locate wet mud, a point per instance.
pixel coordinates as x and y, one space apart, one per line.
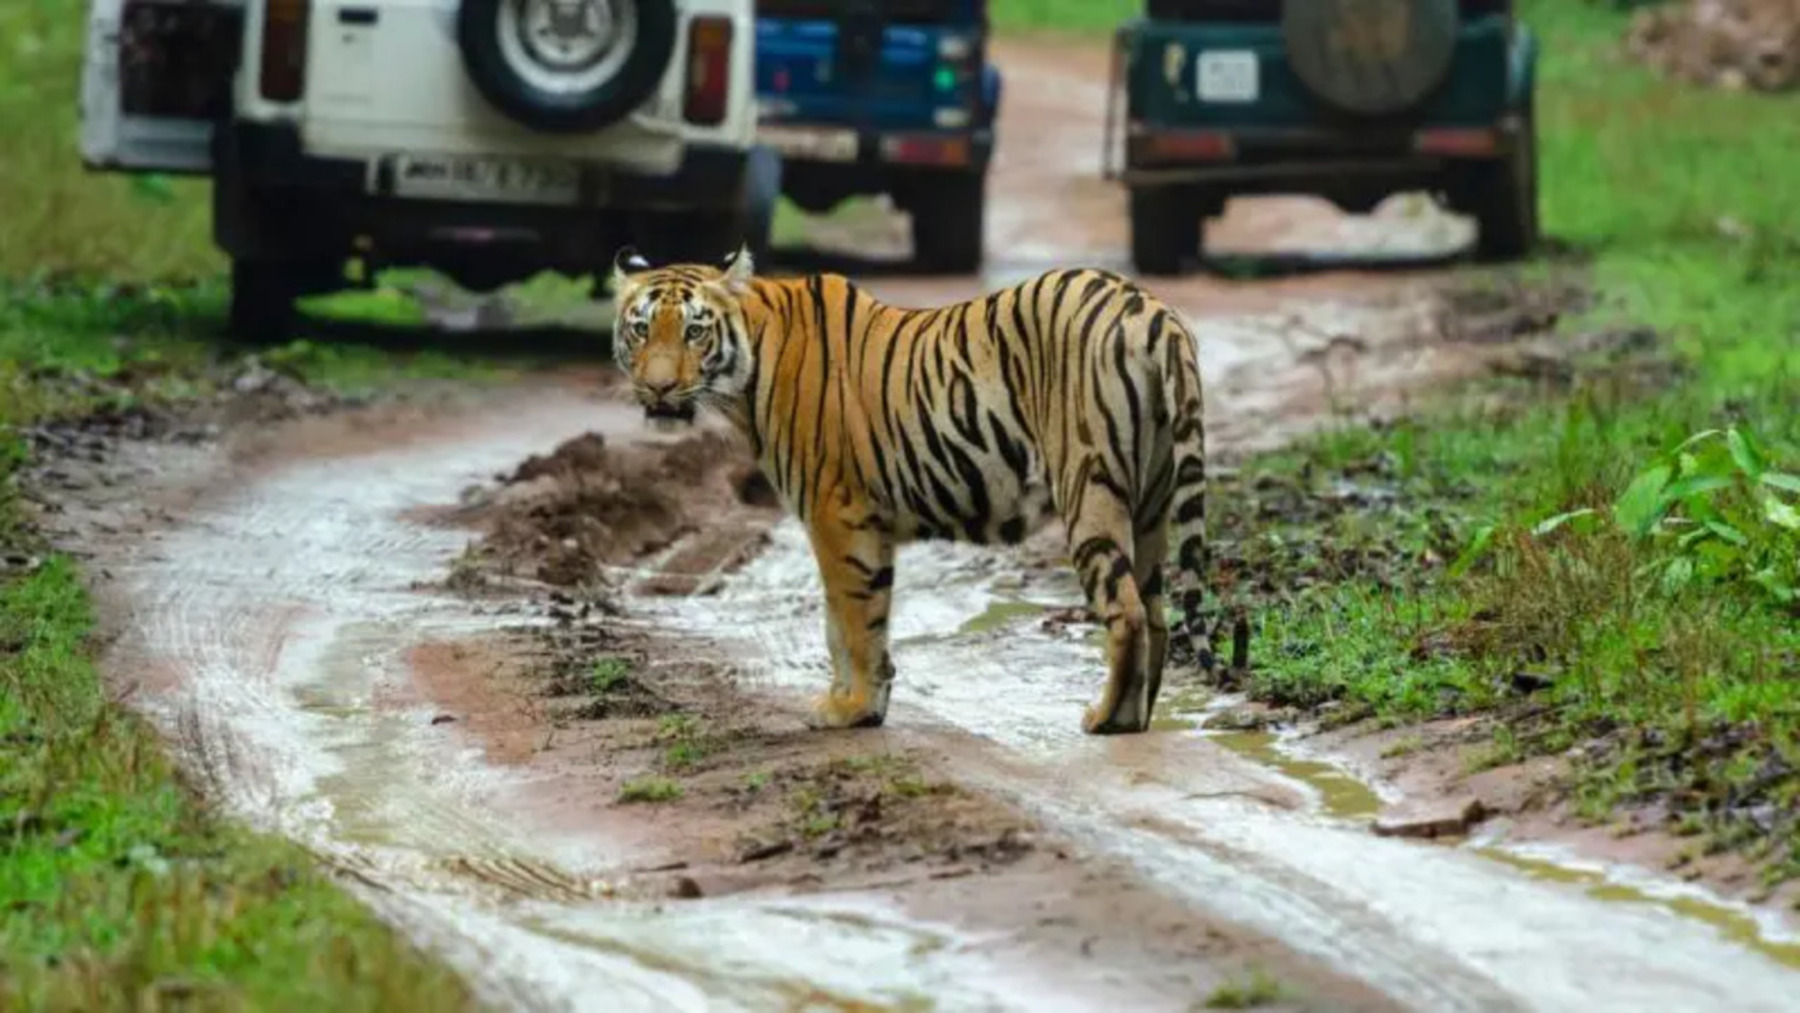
530 675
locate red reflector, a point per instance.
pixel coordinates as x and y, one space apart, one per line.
1187 146
708 70
1457 141
283 77
926 150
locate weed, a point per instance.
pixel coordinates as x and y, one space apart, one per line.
609 675
649 789
1249 991
756 780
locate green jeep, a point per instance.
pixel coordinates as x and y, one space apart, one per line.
1351 100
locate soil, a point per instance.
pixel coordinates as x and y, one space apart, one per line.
1734 44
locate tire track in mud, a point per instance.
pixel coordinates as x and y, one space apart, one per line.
285 605
1438 928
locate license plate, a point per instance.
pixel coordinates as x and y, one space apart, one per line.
514 180
1228 75
810 143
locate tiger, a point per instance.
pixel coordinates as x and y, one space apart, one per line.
1074 394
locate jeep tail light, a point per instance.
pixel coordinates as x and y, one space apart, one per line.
283 77
708 70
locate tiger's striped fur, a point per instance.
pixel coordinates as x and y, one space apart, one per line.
1075 393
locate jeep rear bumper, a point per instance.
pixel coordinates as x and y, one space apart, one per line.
272 201
1247 158
270 156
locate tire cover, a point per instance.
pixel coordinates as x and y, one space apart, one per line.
1371 57
611 100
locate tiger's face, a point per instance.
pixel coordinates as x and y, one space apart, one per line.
679 332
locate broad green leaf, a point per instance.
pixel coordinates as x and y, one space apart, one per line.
1641 505
1702 435
1478 547
1745 452
1687 541
1681 489
1780 480
1550 524
1727 532
1775 511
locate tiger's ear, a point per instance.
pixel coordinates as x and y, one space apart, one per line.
627 262
739 268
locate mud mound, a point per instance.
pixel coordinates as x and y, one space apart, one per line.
1736 44
565 517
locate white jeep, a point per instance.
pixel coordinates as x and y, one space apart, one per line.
489 139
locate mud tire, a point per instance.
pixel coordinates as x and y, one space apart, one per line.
1503 198
1165 230
261 311
1372 85
507 90
949 223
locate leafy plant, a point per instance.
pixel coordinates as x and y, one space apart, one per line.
1713 510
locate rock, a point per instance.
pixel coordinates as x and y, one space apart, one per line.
1249 718
1448 817
443 719
686 888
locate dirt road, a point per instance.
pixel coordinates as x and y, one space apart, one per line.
572 759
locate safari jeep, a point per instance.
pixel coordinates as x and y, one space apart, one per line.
1350 100
896 97
489 139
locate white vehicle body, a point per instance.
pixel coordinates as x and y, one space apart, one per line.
417 127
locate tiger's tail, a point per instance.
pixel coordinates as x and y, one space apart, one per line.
1188 537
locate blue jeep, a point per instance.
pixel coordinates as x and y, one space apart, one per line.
865 97
1350 100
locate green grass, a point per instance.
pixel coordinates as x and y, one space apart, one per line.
1677 669
117 889
1085 17
650 788
1251 991
61 220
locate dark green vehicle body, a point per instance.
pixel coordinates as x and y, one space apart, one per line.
1466 133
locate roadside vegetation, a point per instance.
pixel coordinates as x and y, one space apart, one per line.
1609 564
118 888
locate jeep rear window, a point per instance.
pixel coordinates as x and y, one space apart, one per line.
176 59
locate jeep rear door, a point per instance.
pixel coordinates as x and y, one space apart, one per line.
156 74
896 64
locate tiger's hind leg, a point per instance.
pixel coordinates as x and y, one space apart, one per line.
1150 549
856 563
1100 546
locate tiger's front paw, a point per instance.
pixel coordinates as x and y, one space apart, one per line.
845 710
1097 721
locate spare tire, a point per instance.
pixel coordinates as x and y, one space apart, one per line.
566 66
1371 57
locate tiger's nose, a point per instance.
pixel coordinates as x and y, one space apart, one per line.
660 388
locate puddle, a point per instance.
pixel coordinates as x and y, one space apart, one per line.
1200 813
1341 796
286 711
1001 613
1737 925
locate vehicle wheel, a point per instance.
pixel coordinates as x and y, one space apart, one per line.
532 63
1165 229
949 223
1503 197
262 301
1403 51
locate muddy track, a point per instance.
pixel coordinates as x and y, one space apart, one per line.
287 606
